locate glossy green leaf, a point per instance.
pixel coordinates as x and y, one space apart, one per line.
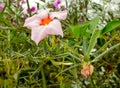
110 26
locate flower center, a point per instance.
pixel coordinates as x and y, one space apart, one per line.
45 21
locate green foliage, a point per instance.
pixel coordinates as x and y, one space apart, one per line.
56 62
110 26
84 29
79 30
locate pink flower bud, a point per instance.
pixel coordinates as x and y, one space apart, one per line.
56 3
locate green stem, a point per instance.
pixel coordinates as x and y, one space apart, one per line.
104 46
9 42
76 65
28 7
69 54
43 78
5 84
3 35
102 54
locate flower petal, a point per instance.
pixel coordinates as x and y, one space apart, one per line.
33 24
38 34
31 21
60 15
54 28
43 13
36 19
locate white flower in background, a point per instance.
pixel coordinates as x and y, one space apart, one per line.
98 2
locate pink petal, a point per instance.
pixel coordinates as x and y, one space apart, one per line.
43 13
32 25
31 21
60 15
54 28
38 34
36 19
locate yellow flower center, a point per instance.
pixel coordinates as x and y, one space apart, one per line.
45 21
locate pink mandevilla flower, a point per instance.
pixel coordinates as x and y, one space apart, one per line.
44 23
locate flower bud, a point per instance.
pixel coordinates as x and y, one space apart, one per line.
87 70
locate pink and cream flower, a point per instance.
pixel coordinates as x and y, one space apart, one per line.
45 23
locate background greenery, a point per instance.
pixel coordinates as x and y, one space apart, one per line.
56 62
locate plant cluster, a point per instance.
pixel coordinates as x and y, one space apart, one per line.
57 45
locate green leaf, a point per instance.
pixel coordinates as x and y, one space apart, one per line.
92 43
79 30
85 46
94 24
110 26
